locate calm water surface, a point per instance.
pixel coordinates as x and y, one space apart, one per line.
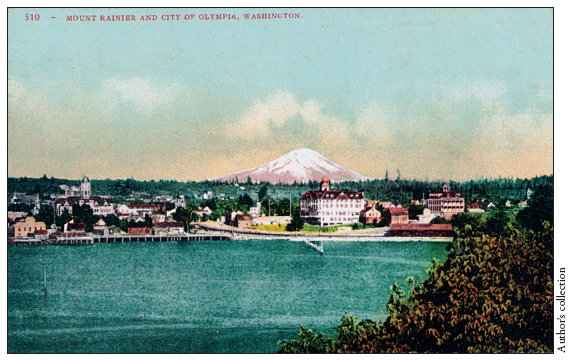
178 297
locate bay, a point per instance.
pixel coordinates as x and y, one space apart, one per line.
198 297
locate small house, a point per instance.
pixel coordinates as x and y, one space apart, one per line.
370 215
398 215
168 228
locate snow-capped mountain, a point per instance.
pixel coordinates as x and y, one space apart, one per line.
300 165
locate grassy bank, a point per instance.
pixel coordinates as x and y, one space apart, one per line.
307 228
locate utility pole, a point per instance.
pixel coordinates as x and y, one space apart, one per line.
290 207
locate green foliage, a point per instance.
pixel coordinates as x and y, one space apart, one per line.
111 220
414 210
184 216
318 229
63 219
347 335
467 225
492 295
20 207
539 210
358 226
498 223
439 220
297 223
45 215
262 193
84 214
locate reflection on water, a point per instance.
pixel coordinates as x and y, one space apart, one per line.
223 296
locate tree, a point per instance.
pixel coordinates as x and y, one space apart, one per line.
84 214
45 215
283 207
262 193
297 223
414 210
63 219
468 225
183 215
111 220
245 200
439 220
498 222
538 210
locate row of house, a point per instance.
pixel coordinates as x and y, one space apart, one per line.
28 227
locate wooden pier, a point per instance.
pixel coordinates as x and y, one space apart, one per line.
315 246
121 239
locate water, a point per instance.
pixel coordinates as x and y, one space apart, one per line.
179 297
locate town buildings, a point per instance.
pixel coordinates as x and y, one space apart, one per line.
474 208
75 227
370 215
167 228
242 221
255 212
421 230
101 205
399 215
446 203
326 207
27 227
139 230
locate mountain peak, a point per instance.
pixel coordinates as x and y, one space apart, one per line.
299 165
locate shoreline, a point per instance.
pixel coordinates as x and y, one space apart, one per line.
356 236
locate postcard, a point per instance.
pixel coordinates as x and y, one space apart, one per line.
262 180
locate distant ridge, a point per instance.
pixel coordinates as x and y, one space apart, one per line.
299 165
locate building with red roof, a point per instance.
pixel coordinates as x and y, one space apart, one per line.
370 215
398 215
76 227
41 234
421 230
328 208
139 230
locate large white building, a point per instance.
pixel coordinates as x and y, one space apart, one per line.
328 208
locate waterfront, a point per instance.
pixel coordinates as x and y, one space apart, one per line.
221 296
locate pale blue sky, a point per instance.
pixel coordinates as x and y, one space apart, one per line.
437 93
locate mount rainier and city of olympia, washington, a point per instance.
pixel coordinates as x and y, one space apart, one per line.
218 181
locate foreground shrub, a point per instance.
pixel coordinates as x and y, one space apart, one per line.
493 294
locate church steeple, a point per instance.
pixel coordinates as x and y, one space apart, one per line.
85 188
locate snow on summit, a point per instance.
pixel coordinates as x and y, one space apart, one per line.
300 165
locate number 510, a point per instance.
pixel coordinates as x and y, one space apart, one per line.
32 17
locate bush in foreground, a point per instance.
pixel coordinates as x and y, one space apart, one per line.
493 294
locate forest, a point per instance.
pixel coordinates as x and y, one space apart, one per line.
402 191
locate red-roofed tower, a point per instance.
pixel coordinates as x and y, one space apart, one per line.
325 184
